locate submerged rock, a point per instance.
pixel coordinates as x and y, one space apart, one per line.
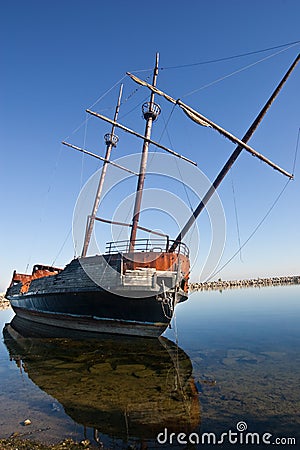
26 422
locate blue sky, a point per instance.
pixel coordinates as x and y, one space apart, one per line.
59 57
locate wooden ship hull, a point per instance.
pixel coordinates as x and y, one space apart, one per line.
107 294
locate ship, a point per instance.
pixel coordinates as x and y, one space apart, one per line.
134 286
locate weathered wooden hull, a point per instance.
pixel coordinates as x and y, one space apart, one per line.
76 299
96 312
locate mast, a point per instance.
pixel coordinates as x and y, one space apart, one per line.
231 160
111 141
150 112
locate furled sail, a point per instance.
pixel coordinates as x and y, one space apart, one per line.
194 117
152 88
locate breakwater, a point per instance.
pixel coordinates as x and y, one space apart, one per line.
253 282
4 303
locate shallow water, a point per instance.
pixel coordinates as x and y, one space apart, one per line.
237 361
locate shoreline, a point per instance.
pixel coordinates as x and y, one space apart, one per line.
252 282
19 443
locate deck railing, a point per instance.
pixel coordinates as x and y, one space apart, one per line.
145 245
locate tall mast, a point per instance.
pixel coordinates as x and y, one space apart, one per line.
150 111
231 160
111 141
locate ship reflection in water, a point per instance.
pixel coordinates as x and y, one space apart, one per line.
124 388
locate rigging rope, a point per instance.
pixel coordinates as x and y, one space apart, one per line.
134 92
165 130
236 215
235 72
91 106
83 155
296 152
227 58
129 212
289 45
107 92
134 108
131 95
62 246
85 122
252 234
88 117
45 198
166 122
266 215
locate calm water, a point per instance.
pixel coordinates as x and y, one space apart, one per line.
230 357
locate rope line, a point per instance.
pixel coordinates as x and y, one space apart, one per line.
165 130
252 234
236 216
289 45
62 246
166 123
91 106
44 199
83 155
107 92
235 72
296 152
134 92
266 215
134 108
227 58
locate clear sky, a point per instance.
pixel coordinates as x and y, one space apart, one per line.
59 57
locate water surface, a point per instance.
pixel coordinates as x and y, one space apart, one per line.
230 357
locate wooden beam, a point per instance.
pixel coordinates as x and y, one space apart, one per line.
128 130
82 150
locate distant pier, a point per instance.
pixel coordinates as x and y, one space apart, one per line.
253 282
